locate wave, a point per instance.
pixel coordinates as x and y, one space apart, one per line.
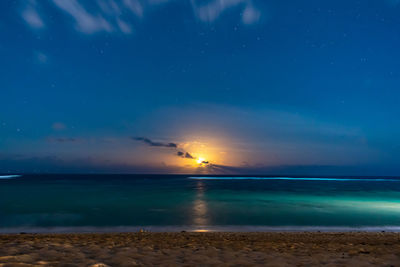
9 176
297 179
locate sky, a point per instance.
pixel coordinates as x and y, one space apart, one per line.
200 86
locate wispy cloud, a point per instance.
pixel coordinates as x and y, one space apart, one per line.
85 22
124 27
212 10
109 7
178 152
31 15
251 15
186 155
149 142
119 16
134 6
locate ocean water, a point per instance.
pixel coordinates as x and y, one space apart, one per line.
80 203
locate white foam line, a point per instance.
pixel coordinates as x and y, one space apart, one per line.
295 179
9 176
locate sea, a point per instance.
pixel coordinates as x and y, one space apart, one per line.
129 203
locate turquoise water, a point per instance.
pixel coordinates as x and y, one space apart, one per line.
128 202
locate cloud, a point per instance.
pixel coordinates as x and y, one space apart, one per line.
186 155
31 16
266 136
178 152
109 7
151 143
134 6
212 10
124 27
118 16
250 15
85 22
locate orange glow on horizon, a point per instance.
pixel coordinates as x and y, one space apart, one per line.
200 160
208 151
204 152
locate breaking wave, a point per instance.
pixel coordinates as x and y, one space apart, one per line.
9 176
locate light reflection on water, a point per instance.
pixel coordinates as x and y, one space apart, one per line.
200 209
198 204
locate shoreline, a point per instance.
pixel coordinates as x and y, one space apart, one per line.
189 228
192 249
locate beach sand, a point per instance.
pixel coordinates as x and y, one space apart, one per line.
201 249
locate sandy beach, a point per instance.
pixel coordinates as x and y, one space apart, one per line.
201 249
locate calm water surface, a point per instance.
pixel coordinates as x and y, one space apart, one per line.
197 203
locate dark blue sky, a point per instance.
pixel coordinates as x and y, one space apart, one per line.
265 86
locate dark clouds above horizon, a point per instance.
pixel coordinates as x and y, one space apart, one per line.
257 85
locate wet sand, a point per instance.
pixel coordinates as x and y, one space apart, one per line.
201 249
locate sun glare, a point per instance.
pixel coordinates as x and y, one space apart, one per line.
200 160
